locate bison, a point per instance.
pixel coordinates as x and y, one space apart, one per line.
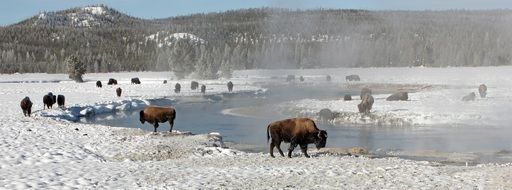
203 89
296 131
165 81
366 104
230 86
177 88
364 91
119 91
194 85
470 97
135 80
112 81
326 114
48 100
155 115
352 78
399 96
98 84
347 97
290 78
482 89
328 78
301 79
60 100
26 106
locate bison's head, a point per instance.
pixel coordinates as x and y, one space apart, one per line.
321 139
141 116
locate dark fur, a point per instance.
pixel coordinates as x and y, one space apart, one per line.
328 78
155 115
364 91
290 78
203 89
165 81
301 79
194 85
296 131
112 81
482 90
470 97
230 86
347 97
61 100
399 96
366 104
119 91
48 100
177 88
352 78
98 84
26 106
135 80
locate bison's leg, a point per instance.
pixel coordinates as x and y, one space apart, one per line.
272 149
304 148
278 144
156 126
293 144
171 122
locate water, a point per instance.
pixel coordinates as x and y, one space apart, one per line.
205 117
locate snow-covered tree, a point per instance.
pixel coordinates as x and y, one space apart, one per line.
76 68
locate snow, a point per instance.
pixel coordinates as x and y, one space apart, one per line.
163 38
41 152
96 10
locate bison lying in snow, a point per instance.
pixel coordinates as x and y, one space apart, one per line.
60 100
482 90
119 91
470 97
203 89
112 81
296 131
230 86
155 115
366 104
177 88
98 84
399 96
26 106
135 80
49 100
194 85
364 91
352 78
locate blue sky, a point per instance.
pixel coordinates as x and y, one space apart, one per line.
12 11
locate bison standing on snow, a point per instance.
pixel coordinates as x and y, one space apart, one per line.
194 85
399 96
165 81
203 89
177 88
112 81
364 91
352 78
119 91
98 84
296 131
347 97
155 115
48 100
328 78
26 106
482 90
60 100
230 86
135 80
366 104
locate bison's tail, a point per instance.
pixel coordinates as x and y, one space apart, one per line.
268 134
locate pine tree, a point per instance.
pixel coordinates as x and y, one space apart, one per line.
76 68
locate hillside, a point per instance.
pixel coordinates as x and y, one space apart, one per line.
108 40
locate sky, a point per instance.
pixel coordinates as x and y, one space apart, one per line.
13 11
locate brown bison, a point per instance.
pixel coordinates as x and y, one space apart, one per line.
119 91
60 100
26 106
177 88
296 131
366 104
399 96
203 89
482 89
155 115
112 81
352 78
135 80
48 100
347 97
364 91
230 86
194 85
98 84
165 81
470 97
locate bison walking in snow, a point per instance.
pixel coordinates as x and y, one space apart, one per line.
482 90
49 100
119 91
155 115
328 78
203 89
60 100
366 104
296 131
98 84
230 86
135 80
26 106
177 88
112 81
194 85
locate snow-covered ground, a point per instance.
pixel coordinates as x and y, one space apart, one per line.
42 152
